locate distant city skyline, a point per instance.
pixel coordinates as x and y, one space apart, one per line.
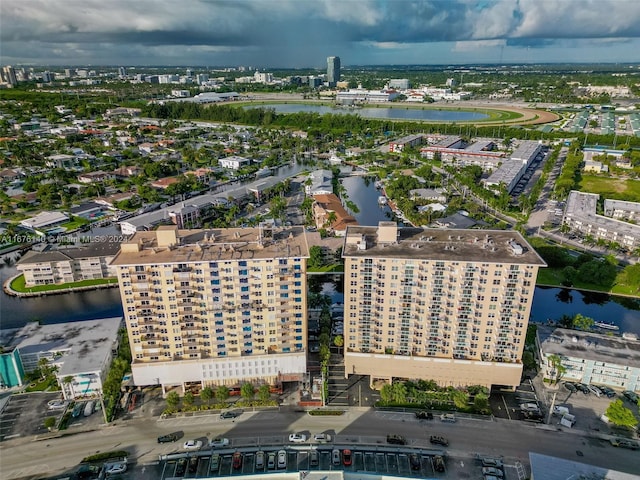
303 33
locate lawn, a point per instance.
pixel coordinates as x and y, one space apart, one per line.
19 285
615 188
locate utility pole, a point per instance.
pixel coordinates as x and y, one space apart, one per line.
359 395
553 402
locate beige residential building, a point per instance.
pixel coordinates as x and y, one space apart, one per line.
446 305
219 306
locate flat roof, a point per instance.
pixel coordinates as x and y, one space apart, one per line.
491 246
545 467
588 345
85 343
217 244
63 253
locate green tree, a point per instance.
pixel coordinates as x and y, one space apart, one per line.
264 395
481 402
621 415
338 341
460 399
247 391
316 257
581 322
173 399
528 360
50 422
399 392
222 393
386 393
206 394
558 369
188 399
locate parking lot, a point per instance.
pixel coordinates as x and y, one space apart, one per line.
382 460
24 414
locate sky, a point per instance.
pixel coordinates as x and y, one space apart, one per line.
303 33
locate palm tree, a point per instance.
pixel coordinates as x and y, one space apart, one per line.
558 370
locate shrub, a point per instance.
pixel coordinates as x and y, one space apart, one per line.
105 456
326 412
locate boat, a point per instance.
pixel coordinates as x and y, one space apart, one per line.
335 160
378 184
382 200
606 326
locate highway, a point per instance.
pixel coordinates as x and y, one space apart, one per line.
26 458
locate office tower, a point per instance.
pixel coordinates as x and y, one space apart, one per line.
122 72
212 307
333 70
444 305
9 76
47 77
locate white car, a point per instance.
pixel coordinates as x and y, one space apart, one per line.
192 445
57 404
297 438
116 468
322 437
219 442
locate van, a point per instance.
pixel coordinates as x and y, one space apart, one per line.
560 410
88 408
568 420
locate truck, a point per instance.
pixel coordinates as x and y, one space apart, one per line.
568 420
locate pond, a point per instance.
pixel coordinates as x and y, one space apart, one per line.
387 113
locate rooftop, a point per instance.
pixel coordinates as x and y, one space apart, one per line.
491 246
63 253
544 467
170 245
86 344
589 346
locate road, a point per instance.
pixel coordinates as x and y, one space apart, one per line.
23 457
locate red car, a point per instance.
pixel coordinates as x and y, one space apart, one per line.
346 457
237 460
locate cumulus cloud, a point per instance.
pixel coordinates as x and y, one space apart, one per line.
224 30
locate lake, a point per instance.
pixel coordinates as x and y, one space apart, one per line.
385 113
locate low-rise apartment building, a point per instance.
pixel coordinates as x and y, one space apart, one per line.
590 358
446 305
66 264
213 307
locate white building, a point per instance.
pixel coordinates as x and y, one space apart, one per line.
81 352
321 183
234 162
45 219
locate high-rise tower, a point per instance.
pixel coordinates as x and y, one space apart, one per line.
444 305
333 70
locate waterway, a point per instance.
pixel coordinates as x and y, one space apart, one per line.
548 303
385 113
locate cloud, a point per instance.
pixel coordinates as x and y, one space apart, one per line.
294 30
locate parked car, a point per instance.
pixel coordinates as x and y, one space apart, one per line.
260 456
271 461
322 437
219 442
437 440
631 396
57 404
314 458
181 467
496 472
396 439
115 468
438 463
414 461
192 445
607 391
448 417
230 414
236 460
170 437
424 415
193 464
583 388
346 457
529 407
282 459
335 456
595 390
215 463
492 462
570 386
297 438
